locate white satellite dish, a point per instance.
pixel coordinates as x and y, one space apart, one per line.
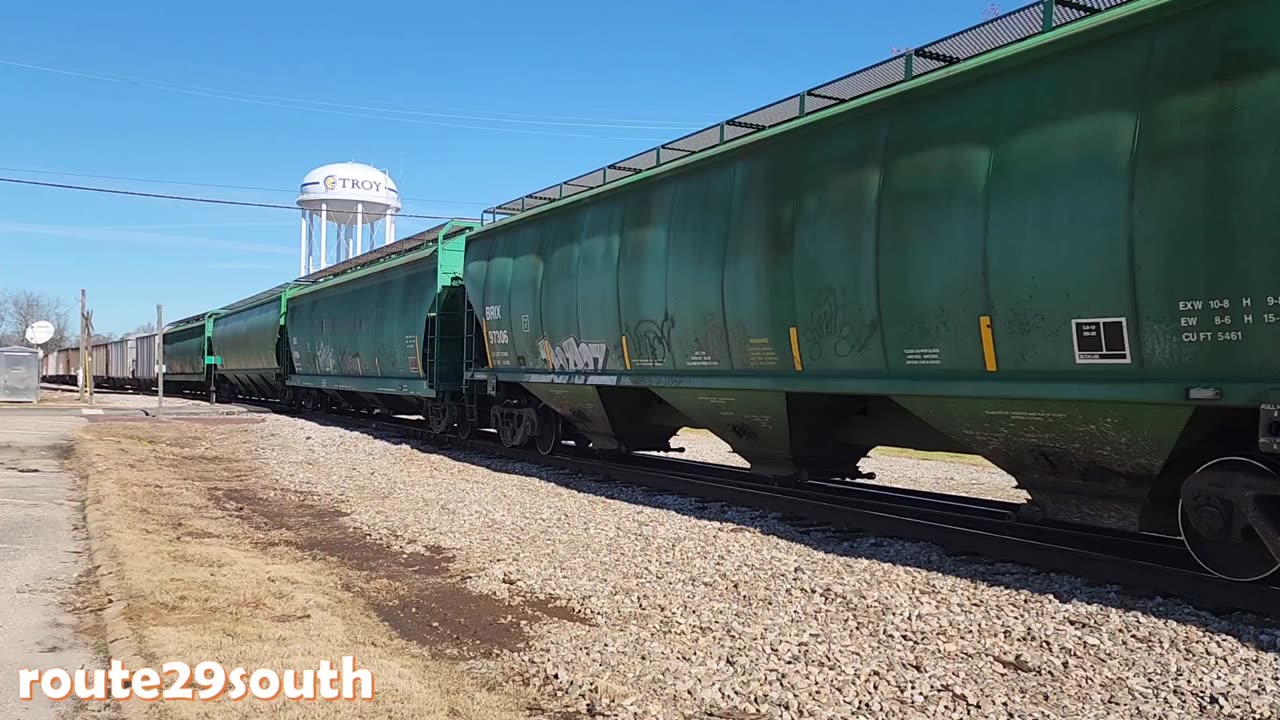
39 333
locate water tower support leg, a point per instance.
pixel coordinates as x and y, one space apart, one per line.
359 228
303 255
324 231
389 227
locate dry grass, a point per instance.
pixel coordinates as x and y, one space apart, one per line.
203 584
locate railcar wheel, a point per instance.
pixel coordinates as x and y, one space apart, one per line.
549 430
1229 515
465 427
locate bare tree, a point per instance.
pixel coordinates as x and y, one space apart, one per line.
21 308
144 329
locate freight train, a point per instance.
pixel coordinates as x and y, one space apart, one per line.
1042 240
124 364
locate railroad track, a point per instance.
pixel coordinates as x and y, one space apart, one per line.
1140 564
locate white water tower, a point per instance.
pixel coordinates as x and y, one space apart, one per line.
338 201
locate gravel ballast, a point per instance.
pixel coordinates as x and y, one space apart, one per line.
973 476
696 609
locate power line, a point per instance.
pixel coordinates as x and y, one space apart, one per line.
187 198
702 119
486 115
212 185
515 118
291 104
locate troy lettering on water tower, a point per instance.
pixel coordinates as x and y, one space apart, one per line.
338 201
333 182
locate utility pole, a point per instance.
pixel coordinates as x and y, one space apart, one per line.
159 359
84 346
88 363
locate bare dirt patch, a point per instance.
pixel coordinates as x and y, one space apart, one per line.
414 593
204 564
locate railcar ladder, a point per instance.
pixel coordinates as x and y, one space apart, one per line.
436 345
445 370
431 368
468 361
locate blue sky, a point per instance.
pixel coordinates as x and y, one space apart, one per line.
580 84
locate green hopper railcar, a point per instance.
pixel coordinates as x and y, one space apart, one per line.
1053 255
187 358
249 340
389 334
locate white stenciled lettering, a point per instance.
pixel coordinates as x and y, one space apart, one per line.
923 356
1187 305
1209 337
1221 319
1246 302
1189 321
492 312
1222 304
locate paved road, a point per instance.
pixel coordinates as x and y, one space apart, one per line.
40 553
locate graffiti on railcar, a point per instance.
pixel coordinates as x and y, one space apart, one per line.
331 361
652 345
574 355
351 364
326 358
1162 345
708 348
829 327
